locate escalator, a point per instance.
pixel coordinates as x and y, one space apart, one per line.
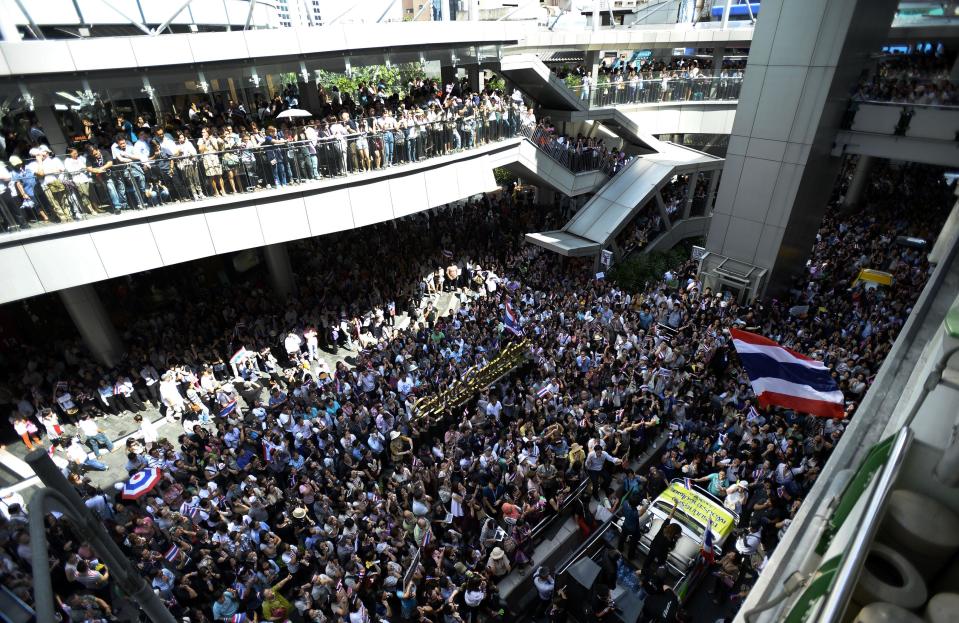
604 216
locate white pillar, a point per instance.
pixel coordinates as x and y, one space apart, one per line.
768 218
690 194
281 272
51 127
92 322
858 182
661 205
726 13
445 10
711 192
596 15
718 54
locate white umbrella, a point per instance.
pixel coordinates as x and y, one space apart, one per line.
294 112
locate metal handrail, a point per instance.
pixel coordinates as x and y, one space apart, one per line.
898 104
854 555
580 551
148 183
545 522
653 91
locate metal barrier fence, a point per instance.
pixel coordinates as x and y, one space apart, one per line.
659 90
84 189
576 160
79 190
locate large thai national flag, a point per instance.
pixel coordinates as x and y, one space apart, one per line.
785 378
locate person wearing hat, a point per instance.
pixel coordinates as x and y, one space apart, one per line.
545 583
23 187
498 565
10 499
48 169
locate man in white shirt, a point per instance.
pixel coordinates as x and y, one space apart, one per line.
95 439
75 166
595 461
292 344
77 454
131 169
48 169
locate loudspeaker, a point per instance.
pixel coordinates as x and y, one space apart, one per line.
580 579
630 607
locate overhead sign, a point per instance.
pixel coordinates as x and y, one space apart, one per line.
698 252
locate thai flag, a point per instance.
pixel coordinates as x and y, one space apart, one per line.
510 322
427 537
239 617
189 511
172 553
447 254
688 484
707 550
228 408
544 391
785 378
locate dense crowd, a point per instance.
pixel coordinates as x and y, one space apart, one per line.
910 78
640 81
301 491
220 148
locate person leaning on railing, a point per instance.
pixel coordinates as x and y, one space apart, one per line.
75 166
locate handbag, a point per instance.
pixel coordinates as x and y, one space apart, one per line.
398 137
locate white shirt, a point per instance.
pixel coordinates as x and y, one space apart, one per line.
76 453
292 343
77 168
89 427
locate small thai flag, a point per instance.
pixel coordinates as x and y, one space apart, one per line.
544 391
619 414
427 537
688 484
172 553
707 550
240 589
447 254
239 617
228 408
188 510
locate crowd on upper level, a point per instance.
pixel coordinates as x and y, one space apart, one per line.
293 489
221 148
916 78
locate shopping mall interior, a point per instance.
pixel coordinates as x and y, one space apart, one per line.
464 311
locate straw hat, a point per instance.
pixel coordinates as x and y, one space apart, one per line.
299 513
497 554
394 434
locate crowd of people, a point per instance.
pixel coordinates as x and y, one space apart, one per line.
299 490
634 80
220 148
916 78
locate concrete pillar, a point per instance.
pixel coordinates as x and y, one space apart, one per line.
690 194
726 8
954 73
93 324
592 64
477 78
445 10
661 206
780 171
718 54
472 10
597 19
281 272
448 74
309 96
858 182
51 127
711 192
